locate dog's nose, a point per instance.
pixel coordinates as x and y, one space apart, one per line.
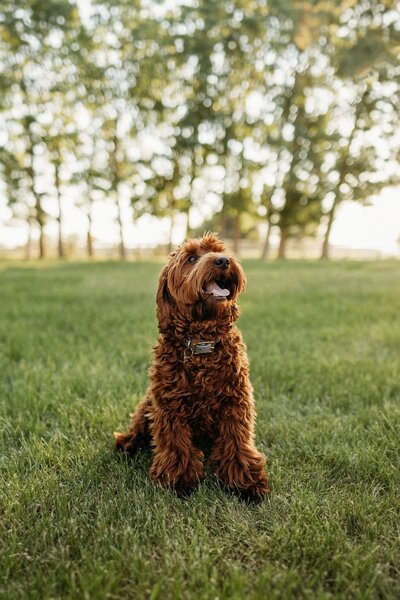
222 262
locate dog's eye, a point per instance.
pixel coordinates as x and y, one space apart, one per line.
192 258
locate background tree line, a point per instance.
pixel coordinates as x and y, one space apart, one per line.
272 112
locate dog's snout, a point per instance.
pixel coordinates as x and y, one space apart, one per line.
222 262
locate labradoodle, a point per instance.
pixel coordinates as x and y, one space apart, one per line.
199 379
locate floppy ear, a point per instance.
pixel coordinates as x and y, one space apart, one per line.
164 301
242 282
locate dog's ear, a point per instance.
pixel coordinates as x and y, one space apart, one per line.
164 301
242 282
239 279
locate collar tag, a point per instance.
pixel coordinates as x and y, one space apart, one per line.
203 347
200 347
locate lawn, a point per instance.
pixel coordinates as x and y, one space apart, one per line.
79 521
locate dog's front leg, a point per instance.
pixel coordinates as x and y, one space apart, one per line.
177 463
235 458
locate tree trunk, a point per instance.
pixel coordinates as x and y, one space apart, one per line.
236 234
89 243
294 118
39 212
265 248
28 241
331 218
42 250
122 249
61 252
171 230
116 158
342 175
282 244
89 236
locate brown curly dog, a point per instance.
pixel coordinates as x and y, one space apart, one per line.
199 379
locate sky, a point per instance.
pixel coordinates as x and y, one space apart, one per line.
373 227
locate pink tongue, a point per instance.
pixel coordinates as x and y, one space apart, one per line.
213 288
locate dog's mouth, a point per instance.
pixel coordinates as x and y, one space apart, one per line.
220 288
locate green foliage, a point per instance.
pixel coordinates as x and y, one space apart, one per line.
79 521
264 110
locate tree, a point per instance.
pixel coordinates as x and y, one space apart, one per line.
365 59
13 174
29 45
60 139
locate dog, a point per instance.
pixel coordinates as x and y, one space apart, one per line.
199 389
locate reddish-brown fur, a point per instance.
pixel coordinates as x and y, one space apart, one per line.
200 397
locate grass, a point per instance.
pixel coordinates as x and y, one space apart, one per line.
79 521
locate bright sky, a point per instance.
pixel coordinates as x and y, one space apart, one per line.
375 227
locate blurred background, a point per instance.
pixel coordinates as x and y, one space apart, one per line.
126 125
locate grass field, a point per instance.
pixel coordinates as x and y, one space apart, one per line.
79 521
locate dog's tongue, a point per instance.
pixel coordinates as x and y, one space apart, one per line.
213 288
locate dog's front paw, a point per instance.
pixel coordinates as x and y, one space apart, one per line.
182 486
252 493
183 483
256 492
245 475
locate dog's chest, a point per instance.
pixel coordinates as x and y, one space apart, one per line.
211 382
212 372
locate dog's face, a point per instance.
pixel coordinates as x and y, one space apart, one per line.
200 281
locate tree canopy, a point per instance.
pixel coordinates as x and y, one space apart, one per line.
263 112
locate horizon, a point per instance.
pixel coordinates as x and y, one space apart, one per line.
375 227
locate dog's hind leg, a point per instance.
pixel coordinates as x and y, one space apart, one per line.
138 435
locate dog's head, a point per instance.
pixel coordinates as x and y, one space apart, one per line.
200 281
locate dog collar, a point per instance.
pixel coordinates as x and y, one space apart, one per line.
198 347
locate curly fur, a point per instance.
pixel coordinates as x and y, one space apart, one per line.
201 397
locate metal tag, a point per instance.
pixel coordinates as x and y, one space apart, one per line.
203 347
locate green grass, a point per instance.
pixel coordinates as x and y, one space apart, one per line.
79 521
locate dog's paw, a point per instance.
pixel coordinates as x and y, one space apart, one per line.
182 483
246 479
183 487
256 492
250 495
